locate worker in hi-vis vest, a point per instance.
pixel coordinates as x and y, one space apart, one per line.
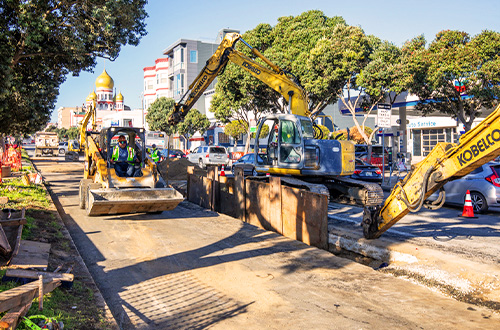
123 158
154 153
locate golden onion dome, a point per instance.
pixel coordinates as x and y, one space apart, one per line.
92 96
104 81
119 97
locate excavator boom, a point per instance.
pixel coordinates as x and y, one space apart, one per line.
446 162
273 77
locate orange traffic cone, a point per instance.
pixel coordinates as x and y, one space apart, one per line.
222 173
468 209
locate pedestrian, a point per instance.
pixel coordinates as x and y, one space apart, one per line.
123 158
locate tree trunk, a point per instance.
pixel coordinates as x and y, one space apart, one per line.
247 143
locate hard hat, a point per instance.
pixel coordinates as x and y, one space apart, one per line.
154 145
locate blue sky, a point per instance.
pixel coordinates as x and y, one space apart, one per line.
168 21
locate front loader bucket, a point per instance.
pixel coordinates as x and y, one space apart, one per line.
115 201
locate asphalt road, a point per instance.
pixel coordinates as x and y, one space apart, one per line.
192 268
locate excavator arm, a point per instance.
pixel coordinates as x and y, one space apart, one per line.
446 162
274 77
83 124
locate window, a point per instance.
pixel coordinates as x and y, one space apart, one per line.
307 129
179 84
163 78
149 83
223 138
193 56
417 151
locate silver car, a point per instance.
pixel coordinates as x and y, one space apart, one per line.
483 184
209 155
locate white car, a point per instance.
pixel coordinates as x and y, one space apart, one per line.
209 155
63 148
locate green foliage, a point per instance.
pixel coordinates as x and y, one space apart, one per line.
192 123
235 129
23 196
62 134
51 128
454 58
44 41
288 45
158 113
263 132
73 133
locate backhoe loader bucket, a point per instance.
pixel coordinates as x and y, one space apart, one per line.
116 201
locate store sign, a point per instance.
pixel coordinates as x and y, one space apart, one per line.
431 122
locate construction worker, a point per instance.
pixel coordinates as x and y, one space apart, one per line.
123 158
155 153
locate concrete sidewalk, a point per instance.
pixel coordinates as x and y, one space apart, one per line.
193 268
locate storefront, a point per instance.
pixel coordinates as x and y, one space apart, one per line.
425 133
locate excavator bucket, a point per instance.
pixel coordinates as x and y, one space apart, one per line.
116 201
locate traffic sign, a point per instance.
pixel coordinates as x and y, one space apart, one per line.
384 106
253 129
384 116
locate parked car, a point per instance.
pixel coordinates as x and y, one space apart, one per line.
483 184
209 155
366 172
246 162
63 148
361 152
174 153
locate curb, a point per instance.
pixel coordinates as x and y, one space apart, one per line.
465 280
97 293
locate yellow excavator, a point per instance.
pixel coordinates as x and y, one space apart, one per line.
445 162
290 146
102 191
288 143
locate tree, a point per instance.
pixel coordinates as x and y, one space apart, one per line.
51 128
158 113
235 129
41 42
456 75
192 123
73 133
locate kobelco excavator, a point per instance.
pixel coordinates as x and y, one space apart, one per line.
290 145
102 191
446 162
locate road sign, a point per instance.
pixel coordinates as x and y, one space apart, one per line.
384 115
253 129
384 106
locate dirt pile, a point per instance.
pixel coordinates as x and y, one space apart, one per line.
177 169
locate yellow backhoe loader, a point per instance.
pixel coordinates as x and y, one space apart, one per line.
102 191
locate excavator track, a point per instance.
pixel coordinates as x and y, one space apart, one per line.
364 193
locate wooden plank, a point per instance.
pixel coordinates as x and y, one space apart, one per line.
33 274
305 216
13 222
32 255
239 192
10 320
275 217
23 294
257 204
